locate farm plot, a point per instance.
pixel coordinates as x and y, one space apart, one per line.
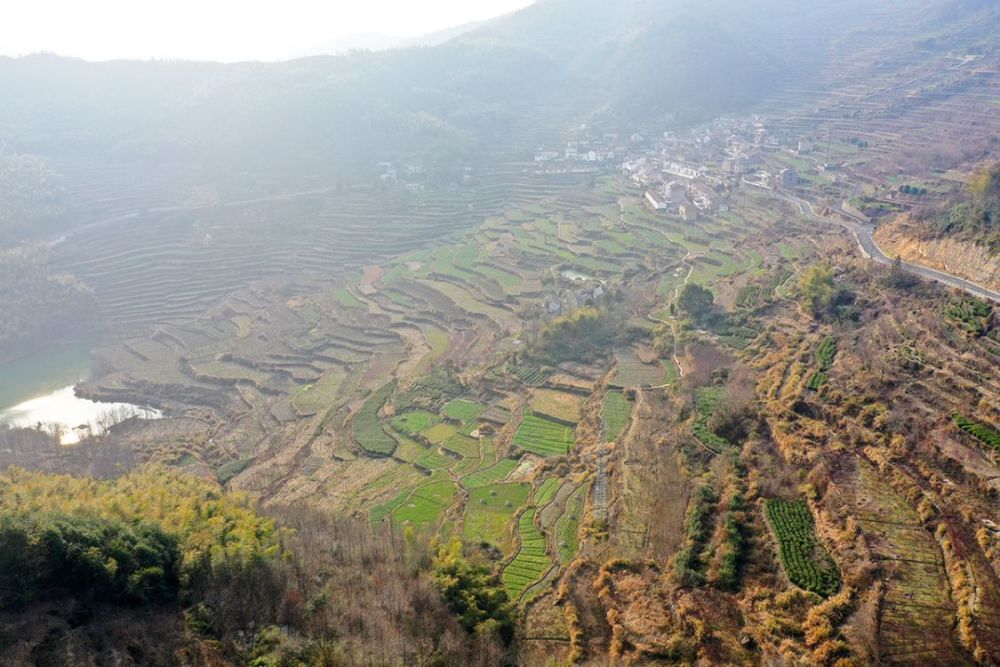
543 436
462 445
423 509
491 510
497 472
559 405
545 493
434 461
632 372
366 429
531 562
532 376
438 340
463 411
568 526
409 450
706 400
346 299
470 304
918 613
439 433
980 432
825 354
496 414
312 398
616 410
804 559
412 423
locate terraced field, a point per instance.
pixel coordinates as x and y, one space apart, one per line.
424 507
490 512
178 261
632 372
805 561
367 429
558 405
917 609
497 472
567 527
364 397
615 411
464 411
707 400
543 436
531 562
414 422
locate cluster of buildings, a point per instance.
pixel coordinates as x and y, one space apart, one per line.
583 291
693 173
412 177
590 153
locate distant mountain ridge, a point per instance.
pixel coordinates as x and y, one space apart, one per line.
493 89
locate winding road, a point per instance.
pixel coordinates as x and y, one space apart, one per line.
863 233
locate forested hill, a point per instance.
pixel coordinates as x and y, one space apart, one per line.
976 217
157 568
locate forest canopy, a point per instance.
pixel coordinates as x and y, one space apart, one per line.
212 575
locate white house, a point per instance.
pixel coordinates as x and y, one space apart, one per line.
656 201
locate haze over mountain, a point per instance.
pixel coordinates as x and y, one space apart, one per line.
639 59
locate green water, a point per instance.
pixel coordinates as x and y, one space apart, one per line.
43 372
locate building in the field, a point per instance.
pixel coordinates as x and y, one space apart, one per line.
788 178
656 201
687 211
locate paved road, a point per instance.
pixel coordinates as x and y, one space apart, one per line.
863 233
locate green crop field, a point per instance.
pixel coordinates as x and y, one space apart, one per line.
805 560
462 444
568 526
489 513
439 433
706 400
531 562
414 422
424 508
616 411
816 380
380 512
367 429
463 411
543 436
826 352
531 375
980 432
346 299
229 470
631 372
409 450
545 492
434 461
495 473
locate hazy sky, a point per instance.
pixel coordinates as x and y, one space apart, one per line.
221 29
